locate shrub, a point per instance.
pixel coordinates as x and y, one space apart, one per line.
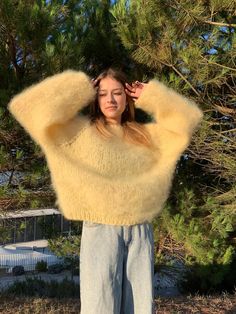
71 263
41 266
18 270
55 269
208 279
76 271
39 288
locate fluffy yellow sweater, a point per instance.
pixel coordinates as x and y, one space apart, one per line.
105 181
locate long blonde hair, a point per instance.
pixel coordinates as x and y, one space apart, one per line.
134 132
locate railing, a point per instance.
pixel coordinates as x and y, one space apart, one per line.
28 260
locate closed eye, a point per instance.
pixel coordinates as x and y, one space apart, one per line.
117 93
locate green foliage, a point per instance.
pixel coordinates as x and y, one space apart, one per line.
41 266
206 232
68 248
55 268
205 227
18 270
39 288
65 246
191 47
5 234
207 279
188 45
48 227
36 40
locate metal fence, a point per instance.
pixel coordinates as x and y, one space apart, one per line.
28 260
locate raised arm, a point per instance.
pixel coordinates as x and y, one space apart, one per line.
51 106
173 111
176 116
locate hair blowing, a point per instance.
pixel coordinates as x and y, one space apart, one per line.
133 131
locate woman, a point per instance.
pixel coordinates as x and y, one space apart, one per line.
111 172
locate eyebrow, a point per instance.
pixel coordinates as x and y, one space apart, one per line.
104 90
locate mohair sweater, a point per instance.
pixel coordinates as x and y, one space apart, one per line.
105 181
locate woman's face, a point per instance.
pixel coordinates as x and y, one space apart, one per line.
111 99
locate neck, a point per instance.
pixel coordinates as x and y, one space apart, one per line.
113 122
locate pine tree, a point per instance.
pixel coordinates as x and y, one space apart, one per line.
38 39
190 46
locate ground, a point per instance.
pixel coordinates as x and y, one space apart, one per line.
192 304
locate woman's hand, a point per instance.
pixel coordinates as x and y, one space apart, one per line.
134 90
94 82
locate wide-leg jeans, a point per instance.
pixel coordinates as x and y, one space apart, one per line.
116 269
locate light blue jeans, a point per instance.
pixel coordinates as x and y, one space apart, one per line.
116 269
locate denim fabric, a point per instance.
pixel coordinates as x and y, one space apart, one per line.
116 269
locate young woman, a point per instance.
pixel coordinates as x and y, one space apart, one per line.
111 172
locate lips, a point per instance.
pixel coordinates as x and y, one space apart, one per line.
111 107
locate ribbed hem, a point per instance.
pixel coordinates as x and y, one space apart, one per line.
117 221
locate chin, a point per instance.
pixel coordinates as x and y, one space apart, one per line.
112 114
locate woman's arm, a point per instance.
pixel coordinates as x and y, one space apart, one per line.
171 110
50 106
176 116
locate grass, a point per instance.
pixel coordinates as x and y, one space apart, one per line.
36 296
224 304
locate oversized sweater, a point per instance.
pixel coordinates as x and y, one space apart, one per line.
105 181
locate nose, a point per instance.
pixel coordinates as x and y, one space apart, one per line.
110 98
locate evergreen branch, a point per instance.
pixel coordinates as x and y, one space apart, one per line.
171 66
184 78
230 87
226 137
232 130
153 56
214 164
201 20
225 110
218 64
218 23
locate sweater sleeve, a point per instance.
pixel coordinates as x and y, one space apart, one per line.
52 104
176 116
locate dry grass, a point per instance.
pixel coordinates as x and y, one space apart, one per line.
196 304
225 304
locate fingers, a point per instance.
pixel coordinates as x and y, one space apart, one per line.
130 90
129 87
128 93
94 82
134 85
